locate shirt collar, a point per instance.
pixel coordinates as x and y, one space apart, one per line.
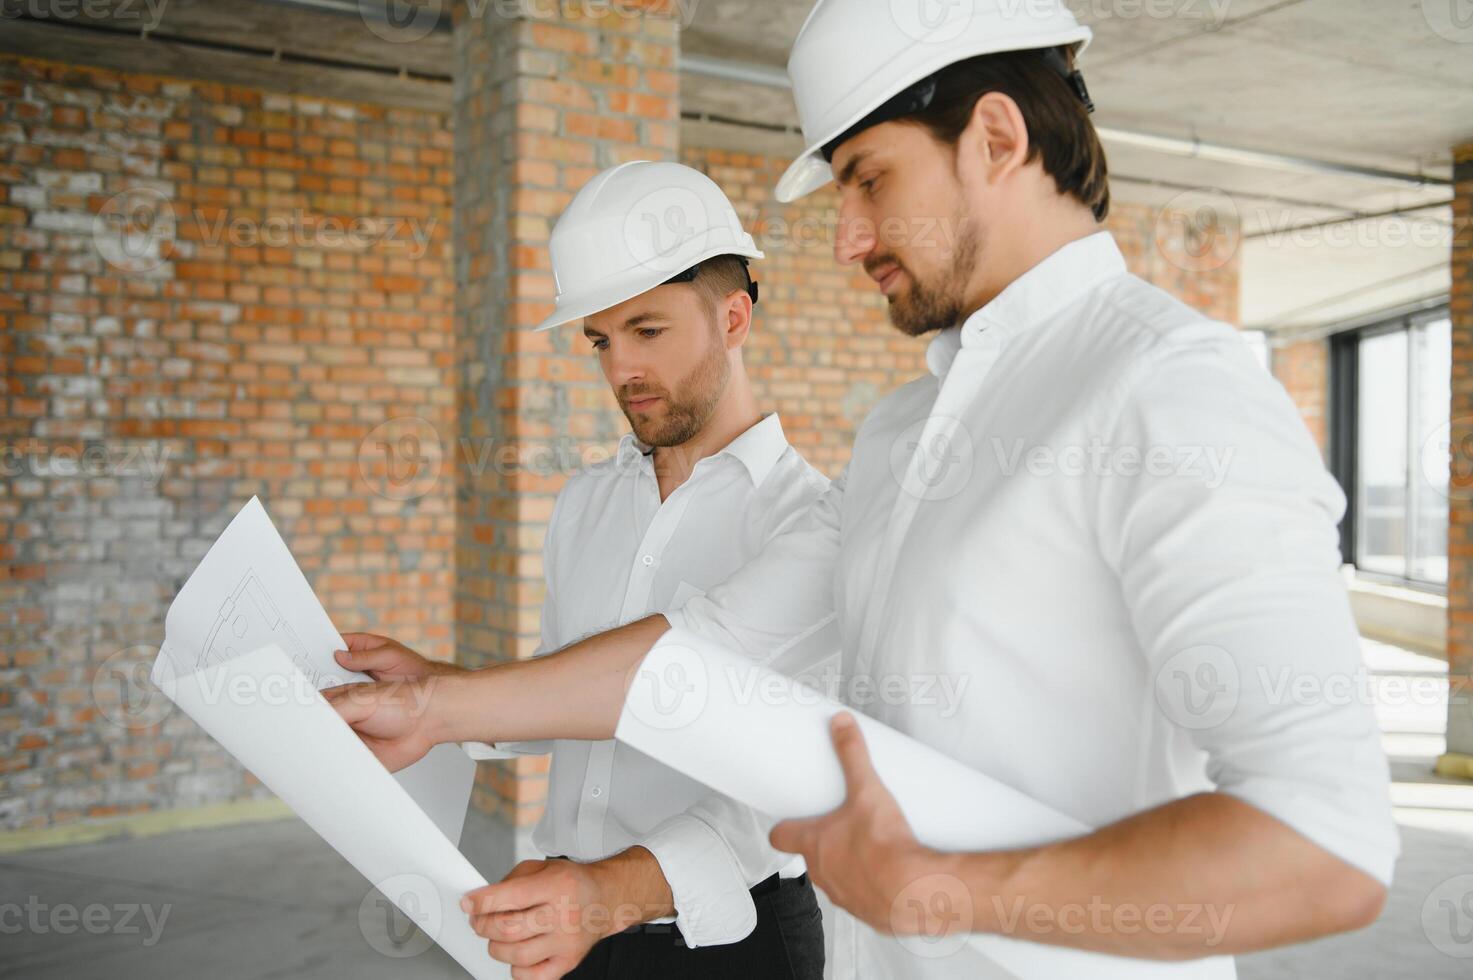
1059 279
758 448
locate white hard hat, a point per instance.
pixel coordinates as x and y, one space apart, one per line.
633 227
852 56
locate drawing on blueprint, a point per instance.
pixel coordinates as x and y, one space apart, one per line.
247 620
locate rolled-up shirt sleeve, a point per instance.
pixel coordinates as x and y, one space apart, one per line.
779 610
1230 571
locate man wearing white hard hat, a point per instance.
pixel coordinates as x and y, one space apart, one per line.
1095 504
651 260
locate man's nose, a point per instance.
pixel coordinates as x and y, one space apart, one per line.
854 238
625 365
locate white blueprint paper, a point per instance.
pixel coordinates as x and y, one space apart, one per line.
763 739
261 708
248 592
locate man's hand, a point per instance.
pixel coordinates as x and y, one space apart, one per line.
393 718
385 659
545 916
885 889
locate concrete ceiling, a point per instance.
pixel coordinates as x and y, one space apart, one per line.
1379 83
1363 82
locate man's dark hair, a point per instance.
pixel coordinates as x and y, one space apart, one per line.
1059 128
719 276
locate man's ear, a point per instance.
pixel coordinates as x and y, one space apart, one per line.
996 137
738 318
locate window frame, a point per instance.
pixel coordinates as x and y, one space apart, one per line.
1344 435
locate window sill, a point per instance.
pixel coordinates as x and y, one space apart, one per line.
1398 614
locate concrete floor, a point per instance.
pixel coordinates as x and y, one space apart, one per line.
271 900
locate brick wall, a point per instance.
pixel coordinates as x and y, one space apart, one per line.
153 379
1460 530
1303 369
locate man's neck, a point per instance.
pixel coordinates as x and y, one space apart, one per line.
735 413
1027 249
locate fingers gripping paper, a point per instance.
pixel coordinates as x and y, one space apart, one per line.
763 739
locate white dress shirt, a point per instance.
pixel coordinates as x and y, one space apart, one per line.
1104 526
614 553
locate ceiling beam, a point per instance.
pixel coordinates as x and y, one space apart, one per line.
753 74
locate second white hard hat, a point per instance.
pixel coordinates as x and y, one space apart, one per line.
851 56
633 227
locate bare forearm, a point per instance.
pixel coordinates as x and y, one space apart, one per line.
1201 876
633 887
577 692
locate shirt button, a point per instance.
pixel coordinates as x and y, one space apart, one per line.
648 560
596 792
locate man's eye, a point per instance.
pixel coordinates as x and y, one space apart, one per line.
601 344
649 333
868 186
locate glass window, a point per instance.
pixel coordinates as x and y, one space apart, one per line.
1432 369
1381 429
1401 413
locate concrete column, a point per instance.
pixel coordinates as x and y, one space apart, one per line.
545 96
1459 758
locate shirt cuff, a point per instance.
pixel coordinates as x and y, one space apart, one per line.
676 618
482 751
713 902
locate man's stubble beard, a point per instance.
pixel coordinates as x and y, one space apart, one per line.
929 306
687 416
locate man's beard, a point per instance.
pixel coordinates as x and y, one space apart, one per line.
686 416
928 306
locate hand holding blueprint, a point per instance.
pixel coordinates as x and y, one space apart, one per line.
247 593
763 739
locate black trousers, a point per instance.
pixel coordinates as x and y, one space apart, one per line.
787 943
